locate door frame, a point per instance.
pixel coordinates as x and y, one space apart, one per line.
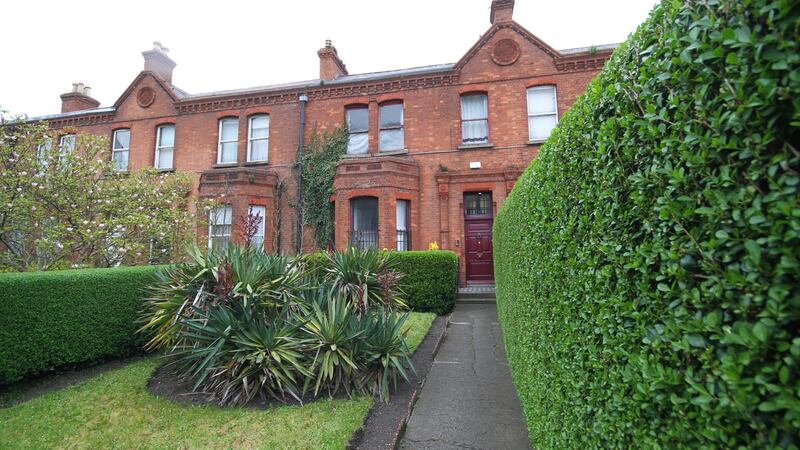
477 218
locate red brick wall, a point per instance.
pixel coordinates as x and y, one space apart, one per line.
433 174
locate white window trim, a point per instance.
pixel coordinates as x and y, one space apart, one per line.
212 215
530 114
115 150
159 146
483 119
220 141
250 138
402 125
262 228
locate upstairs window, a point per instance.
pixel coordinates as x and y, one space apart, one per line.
66 144
358 126
259 214
364 222
403 233
220 227
165 146
474 119
120 149
43 151
391 122
228 141
258 138
542 112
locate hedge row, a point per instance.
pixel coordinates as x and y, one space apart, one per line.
430 278
648 280
63 318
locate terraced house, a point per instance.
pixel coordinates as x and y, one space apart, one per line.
432 153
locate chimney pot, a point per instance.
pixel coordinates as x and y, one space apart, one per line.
78 99
330 65
158 61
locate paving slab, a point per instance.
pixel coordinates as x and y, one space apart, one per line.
468 400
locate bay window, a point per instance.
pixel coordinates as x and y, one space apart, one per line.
364 222
542 112
474 119
391 127
220 227
403 234
259 215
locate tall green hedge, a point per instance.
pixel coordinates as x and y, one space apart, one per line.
648 281
62 318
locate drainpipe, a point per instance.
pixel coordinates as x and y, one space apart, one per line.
300 152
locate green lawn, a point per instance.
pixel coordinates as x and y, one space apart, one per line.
115 410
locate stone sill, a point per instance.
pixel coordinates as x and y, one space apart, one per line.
171 169
475 146
378 154
224 166
536 142
256 163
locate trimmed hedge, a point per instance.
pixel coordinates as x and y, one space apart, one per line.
61 318
648 280
430 280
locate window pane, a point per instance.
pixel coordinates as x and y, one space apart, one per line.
164 158
67 143
259 122
259 212
358 143
365 213
541 126
120 160
475 131
391 115
258 150
542 100
230 130
402 214
227 152
357 119
474 107
122 139
259 133
391 139
167 136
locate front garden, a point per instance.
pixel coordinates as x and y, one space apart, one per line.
260 350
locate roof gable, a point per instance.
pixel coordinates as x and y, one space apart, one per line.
517 28
147 96
138 80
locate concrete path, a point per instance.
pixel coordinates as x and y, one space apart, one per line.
468 400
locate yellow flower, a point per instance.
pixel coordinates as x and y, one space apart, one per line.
433 246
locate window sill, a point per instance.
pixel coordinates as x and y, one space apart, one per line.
171 169
357 155
402 151
224 165
536 141
475 146
256 163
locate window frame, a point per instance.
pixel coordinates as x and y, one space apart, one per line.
407 230
220 141
262 226
251 139
354 107
212 223
160 147
43 151
115 150
401 127
71 147
376 230
484 119
541 87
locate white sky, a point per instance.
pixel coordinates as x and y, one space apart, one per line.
236 44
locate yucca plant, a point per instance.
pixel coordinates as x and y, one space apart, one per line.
382 353
365 277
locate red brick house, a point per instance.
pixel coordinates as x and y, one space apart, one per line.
433 150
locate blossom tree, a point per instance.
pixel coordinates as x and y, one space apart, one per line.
62 205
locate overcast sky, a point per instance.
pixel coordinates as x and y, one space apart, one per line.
236 44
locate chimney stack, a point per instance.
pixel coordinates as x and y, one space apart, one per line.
78 99
502 11
330 65
158 61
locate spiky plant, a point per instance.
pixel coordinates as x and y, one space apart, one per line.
383 353
365 278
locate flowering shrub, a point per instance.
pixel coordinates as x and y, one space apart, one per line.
66 207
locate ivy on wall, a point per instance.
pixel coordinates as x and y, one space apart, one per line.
323 152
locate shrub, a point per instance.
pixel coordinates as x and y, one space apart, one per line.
647 261
429 279
241 323
54 319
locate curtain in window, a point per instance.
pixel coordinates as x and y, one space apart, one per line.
220 227
391 123
166 144
402 225
364 232
259 138
122 139
261 213
358 124
542 116
474 119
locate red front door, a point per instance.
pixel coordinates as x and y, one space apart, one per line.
478 237
478 216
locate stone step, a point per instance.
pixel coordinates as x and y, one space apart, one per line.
476 301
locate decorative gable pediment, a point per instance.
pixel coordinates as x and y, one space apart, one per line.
147 96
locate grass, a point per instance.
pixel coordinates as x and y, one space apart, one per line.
115 410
